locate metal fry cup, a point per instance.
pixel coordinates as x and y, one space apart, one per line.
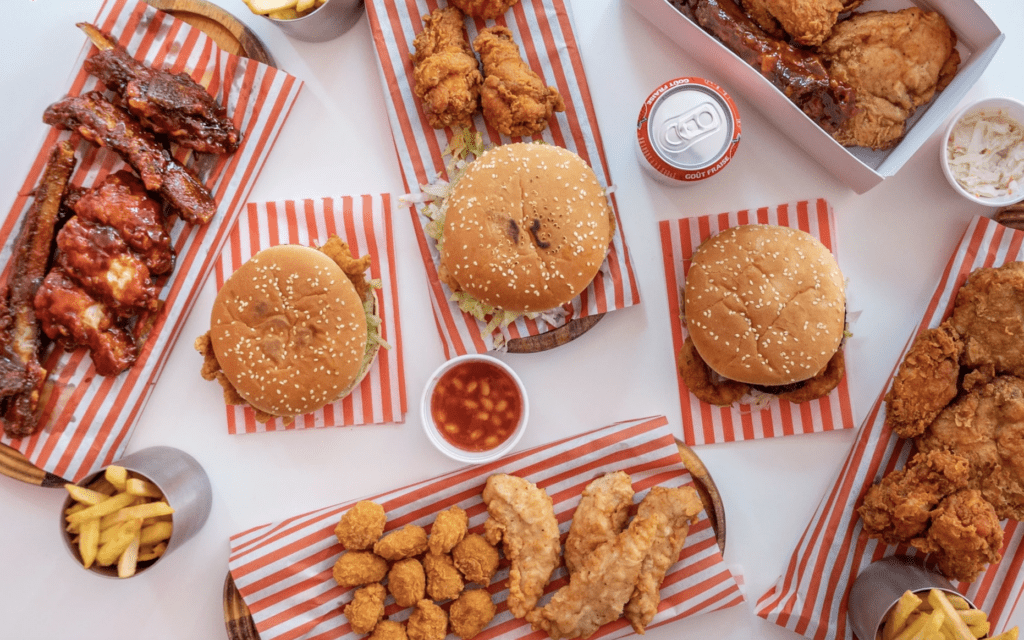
185 487
326 22
879 587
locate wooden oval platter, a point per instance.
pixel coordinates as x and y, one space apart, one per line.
231 35
240 625
563 334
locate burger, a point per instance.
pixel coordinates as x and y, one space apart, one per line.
293 329
765 309
526 228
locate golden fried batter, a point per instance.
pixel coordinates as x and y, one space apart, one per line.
808 21
989 313
600 516
704 383
965 536
407 582
485 9
427 622
361 526
448 529
356 568
366 608
443 580
476 558
355 268
409 541
447 77
388 630
926 380
471 612
821 384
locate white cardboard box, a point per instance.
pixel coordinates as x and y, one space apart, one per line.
978 39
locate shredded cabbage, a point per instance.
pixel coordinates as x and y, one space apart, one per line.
986 154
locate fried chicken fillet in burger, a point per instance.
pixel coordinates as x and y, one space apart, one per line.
293 329
765 309
527 228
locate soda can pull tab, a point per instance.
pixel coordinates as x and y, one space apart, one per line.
691 127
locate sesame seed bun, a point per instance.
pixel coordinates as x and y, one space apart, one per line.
765 305
288 331
527 228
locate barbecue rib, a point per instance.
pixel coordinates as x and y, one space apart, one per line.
107 125
174 105
798 73
21 374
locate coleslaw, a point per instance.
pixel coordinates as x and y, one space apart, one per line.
985 152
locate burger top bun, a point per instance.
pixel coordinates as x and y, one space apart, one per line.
764 304
288 330
527 228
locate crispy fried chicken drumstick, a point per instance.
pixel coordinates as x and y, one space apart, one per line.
104 124
447 77
170 104
21 374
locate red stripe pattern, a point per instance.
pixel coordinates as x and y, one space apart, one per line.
88 419
365 224
706 424
543 28
810 598
283 570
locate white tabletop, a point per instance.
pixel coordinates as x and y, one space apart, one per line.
893 243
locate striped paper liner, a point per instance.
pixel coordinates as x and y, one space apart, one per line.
283 570
810 598
707 424
365 224
88 418
544 31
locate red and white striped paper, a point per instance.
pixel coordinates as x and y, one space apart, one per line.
707 424
544 31
88 418
810 598
365 224
283 570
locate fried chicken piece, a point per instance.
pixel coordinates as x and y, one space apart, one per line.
407 582
601 587
896 61
471 613
361 526
600 516
121 202
354 267
522 517
809 22
448 530
986 426
704 383
989 314
67 313
965 536
366 608
356 568
388 630
447 77
926 380
514 98
427 622
484 9
409 541
96 257
444 581
898 508
476 559
679 506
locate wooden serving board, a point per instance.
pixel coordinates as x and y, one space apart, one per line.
563 334
231 35
240 626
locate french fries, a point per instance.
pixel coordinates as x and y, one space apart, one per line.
119 520
284 9
938 616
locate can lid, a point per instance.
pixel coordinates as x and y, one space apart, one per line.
688 129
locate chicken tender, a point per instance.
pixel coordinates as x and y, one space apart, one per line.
898 508
356 568
444 581
389 630
600 516
409 541
361 526
448 529
809 22
476 559
896 61
407 582
366 608
680 507
484 9
447 78
522 518
471 612
926 380
427 622
986 426
989 314
964 537
514 99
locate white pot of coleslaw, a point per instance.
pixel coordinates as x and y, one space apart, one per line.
982 154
